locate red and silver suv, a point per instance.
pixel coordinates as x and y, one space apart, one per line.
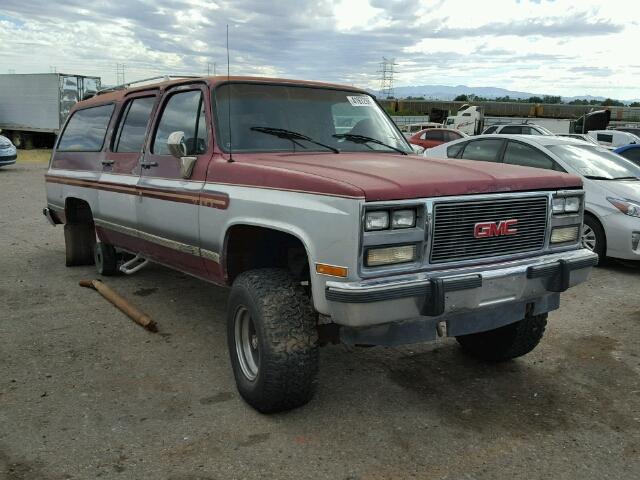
321 234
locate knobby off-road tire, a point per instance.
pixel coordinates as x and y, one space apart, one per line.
276 367
505 343
106 259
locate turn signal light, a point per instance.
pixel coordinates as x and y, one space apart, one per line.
331 270
565 234
390 255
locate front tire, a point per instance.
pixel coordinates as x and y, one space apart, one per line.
273 340
505 343
593 237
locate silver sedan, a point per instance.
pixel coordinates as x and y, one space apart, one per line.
611 182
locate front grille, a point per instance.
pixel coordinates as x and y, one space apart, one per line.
454 224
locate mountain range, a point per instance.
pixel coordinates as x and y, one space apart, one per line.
447 92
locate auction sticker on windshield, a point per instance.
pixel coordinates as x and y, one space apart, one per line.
360 101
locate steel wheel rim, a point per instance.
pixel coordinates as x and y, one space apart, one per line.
247 344
588 238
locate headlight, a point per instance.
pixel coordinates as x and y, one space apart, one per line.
390 255
628 208
378 220
403 219
564 234
566 205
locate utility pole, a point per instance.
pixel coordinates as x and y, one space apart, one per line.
120 74
386 77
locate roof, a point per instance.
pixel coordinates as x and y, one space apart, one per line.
624 148
544 140
118 95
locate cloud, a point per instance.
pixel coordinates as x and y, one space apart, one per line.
433 41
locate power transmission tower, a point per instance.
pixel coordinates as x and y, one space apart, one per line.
386 77
53 69
209 65
120 74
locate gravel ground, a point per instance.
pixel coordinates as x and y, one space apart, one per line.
85 393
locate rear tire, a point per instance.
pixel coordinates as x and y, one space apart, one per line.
505 343
78 242
106 259
273 340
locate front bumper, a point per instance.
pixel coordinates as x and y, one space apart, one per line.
460 292
8 159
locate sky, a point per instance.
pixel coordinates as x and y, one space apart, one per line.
551 47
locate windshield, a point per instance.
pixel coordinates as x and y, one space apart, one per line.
598 162
271 118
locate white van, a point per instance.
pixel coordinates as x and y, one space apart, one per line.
613 138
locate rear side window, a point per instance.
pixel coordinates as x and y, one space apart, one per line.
526 156
454 150
184 112
450 136
632 154
86 130
531 131
491 129
133 125
511 130
605 137
435 135
486 150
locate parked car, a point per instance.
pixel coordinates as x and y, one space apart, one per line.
8 153
412 128
580 136
523 129
630 152
611 183
321 236
613 138
431 137
634 130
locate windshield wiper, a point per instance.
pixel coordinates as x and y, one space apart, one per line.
293 136
352 137
597 177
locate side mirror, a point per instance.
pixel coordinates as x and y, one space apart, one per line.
178 149
417 149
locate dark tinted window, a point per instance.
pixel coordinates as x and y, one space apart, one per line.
531 131
632 154
184 112
454 150
605 137
435 135
491 129
512 130
86 130
521 154
133 125
486 150
450 136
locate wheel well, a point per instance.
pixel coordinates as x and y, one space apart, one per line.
77 211
597 220
249 247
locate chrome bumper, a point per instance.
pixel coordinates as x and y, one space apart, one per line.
450 293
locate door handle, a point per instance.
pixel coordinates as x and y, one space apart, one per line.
148 164
108 162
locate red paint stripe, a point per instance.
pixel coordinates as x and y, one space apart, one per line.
206 199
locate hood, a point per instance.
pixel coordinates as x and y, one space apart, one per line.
382 176
4 140
625 189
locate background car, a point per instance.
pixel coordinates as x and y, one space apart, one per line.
634 130
8 152
630 152
413 128
521 129
580 136
431 137
611 182
613 138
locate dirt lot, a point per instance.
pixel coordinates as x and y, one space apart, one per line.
85 393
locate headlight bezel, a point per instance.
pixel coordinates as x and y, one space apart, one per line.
627 207
391 214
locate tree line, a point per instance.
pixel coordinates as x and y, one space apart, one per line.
553 99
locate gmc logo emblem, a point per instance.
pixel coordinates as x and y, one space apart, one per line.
495 229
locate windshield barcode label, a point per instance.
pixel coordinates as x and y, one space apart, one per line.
360 101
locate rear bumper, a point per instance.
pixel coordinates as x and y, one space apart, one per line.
455 293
